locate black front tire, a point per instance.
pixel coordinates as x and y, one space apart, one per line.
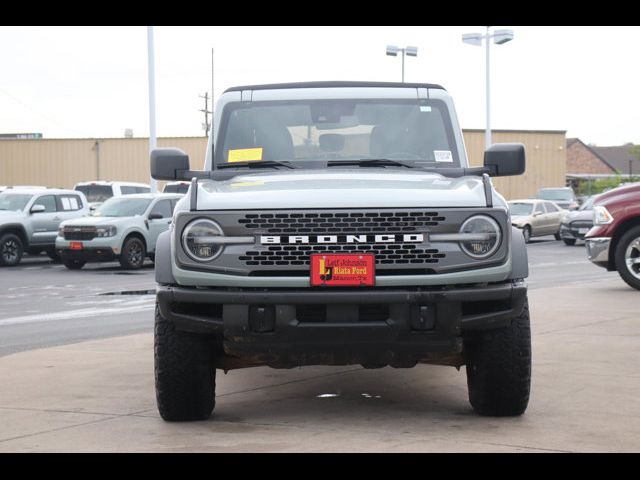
526 233
184 373
569 241
629 241
53 255
11 250
499 368
557 236
133 254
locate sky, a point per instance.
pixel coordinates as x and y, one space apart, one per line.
93 81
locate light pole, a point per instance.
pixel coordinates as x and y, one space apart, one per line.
499 37
392 51
152 99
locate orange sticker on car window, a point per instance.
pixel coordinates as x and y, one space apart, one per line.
245 155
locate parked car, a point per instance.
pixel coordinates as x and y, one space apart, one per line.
29 220
614 240
99 191
576 223
536 218
123 228
564 197
176 187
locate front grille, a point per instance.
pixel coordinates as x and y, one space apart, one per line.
341 222
388 254
581 224
79 233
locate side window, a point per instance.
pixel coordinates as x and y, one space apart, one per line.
142 189
127 190
69 203
551 208
49 203
539 208
163 207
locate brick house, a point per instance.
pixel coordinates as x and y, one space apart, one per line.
585 162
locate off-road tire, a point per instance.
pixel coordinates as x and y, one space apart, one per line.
133 254
624 242
184 373
72 264
11 250
499 368
569 241
526 233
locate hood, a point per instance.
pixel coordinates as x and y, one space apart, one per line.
341 188
519 218
578 215
96 221
629 192
10 216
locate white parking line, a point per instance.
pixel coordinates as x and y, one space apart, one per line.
79 313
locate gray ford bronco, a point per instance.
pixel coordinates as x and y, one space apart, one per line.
339 223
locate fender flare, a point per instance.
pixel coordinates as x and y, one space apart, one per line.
164 275
519 256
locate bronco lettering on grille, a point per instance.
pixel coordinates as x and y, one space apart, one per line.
339 239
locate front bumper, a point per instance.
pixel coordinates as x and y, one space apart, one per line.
598 250
374 327
88 254
567 232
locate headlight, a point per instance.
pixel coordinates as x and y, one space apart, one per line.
198 240
488 236
106 231
601 216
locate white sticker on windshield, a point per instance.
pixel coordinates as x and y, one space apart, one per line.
443 156
424 108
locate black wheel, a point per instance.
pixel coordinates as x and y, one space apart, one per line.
569 241
73 264
557 236
11 249
627 257
499 368
133 253
184 373
152 257
526 233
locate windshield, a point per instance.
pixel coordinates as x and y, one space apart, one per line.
520 208
556 194
297 131
96 193
588 203
14 201
122 207
176 188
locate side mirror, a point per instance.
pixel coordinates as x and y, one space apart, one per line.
37 208
155 216
169 164
504 159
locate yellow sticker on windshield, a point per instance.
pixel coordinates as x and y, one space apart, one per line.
245 155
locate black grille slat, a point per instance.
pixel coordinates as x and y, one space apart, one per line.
79 233
340 222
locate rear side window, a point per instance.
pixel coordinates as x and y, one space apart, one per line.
69 203
163 207
48 201
142 189
127 190
539 208
550 207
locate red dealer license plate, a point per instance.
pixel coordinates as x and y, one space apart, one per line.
75 245
343 270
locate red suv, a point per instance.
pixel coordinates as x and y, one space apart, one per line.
614 240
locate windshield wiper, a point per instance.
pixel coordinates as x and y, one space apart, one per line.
258 164
370 162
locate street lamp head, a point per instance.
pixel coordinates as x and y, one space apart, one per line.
472 38
392 50
412 51
502 36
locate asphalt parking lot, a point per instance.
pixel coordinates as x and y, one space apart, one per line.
76 359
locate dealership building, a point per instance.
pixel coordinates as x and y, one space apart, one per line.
63 162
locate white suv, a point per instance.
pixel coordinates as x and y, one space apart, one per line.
99 191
